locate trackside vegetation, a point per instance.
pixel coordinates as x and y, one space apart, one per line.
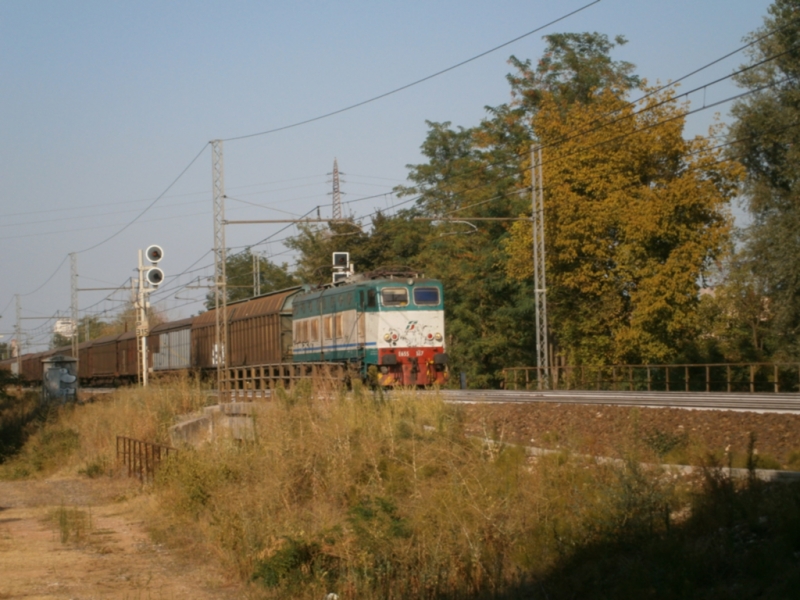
370 497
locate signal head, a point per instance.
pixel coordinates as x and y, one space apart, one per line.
154 253
154 276
341 260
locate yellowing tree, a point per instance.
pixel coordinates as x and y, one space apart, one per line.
633 214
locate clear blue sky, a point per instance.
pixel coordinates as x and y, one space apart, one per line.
104 104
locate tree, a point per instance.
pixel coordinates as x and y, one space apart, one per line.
765 138
735 313
482 172
247 273
634 214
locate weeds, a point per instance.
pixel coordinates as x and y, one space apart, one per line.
73 524
374 496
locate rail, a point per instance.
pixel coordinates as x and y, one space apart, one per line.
710 377
259 380
141 458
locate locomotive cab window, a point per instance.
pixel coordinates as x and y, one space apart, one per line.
394 297
426 296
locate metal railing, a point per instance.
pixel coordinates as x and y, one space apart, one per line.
711 377
141 458
259 380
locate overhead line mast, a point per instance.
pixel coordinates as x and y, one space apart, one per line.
220 278
539 279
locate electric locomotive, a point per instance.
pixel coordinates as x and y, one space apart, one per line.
389 323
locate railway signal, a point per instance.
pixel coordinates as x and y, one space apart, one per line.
149 279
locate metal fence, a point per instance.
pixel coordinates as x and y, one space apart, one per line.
141 458
258 381
717 377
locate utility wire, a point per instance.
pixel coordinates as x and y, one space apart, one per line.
413 83
149 206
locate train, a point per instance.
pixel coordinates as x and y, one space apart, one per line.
386 326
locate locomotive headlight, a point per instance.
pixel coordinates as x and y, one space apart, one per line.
438 337
386 337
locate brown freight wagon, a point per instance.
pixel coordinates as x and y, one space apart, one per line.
103 364
32 369
259 330
127 356
169 345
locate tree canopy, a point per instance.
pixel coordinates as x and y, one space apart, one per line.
765 138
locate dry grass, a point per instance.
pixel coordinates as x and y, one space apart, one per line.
374 498
388 499
83 437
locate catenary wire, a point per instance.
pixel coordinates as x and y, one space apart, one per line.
413 83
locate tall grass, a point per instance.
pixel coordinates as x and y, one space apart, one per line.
371 498
83 437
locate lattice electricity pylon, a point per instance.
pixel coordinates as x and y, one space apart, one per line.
336 212
220 277
539 279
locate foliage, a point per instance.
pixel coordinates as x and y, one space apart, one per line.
19 415
634 213
735 312
248 272
766 140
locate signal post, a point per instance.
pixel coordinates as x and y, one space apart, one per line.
150 277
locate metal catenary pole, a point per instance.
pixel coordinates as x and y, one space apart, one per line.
540 282
18 335
73 260
220 279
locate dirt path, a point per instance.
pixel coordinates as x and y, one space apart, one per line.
107 553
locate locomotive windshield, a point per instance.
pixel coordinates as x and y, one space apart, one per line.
394 296
426 296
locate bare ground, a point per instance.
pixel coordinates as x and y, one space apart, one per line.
612 430
111 556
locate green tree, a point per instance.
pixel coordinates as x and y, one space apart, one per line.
735 313
765 138
634 215
482 172
248 273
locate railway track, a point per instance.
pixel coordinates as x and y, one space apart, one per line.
789 403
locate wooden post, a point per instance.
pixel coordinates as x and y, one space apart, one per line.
708 378
686 377
728 374
666 372
752 378
648 378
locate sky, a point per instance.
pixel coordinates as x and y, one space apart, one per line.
107 108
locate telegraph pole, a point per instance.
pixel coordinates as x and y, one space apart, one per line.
220 278
539 280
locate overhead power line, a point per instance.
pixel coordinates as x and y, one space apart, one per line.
413 83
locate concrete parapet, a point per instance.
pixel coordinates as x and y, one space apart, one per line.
234 419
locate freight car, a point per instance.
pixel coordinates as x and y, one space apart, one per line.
389 324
